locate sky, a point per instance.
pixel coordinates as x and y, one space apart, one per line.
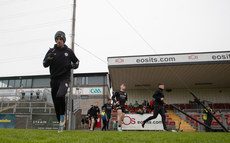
106 28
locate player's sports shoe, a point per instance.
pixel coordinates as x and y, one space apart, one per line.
62 123
119 129
60 129
143 124
166 130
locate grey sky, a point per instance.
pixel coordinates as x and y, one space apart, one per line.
27 29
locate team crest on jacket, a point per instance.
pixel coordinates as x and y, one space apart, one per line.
66 84
66 54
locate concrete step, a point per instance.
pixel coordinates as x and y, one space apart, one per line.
185 127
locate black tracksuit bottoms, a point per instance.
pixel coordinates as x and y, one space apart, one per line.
107 122
104 125
158 110
59 89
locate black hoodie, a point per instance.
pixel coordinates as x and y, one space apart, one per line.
62 62
158 95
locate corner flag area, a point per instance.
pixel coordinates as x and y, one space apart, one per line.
51 136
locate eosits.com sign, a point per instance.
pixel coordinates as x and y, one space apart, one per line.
133 122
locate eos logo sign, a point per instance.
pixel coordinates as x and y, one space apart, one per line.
128 120
95 90
119 60
192 57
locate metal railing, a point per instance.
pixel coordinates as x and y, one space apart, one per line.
31 107
201 128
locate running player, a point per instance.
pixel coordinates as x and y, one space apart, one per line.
89 116
61 60
94 111
108 109
158 106
120 98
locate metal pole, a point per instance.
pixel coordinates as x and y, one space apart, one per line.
71 77
191 117
103 90
209 112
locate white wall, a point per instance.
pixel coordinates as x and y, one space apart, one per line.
177 96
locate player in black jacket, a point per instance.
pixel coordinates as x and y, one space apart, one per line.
88 113
94 111
61 60
158 106
120 101
108 109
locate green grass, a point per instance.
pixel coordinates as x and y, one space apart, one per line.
26 136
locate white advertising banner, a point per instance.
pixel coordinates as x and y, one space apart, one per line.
164 59
89 91
133 122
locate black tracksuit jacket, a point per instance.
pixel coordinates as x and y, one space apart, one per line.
158 95
63 60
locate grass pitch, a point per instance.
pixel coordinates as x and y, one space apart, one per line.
45 136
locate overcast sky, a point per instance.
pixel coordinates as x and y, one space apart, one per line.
27 29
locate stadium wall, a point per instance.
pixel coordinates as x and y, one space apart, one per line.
181 96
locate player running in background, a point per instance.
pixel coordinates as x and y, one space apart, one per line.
94 111
108 109
61 60
88 113
158 106
120 98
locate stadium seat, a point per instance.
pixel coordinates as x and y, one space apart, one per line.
227 106
196 124
218 117
188 106
210 105
166 106
171 122
182 106
227 116
214 123
228 122
170 106
218 106
168 118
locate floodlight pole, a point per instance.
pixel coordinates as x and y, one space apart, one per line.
70 126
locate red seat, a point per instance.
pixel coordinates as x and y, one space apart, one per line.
170 106
171 122
214 123
218 106
228 122
177 105
166 106
182 106
166 122
168 118
227 116
227 106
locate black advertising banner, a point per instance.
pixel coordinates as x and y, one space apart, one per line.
45 122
